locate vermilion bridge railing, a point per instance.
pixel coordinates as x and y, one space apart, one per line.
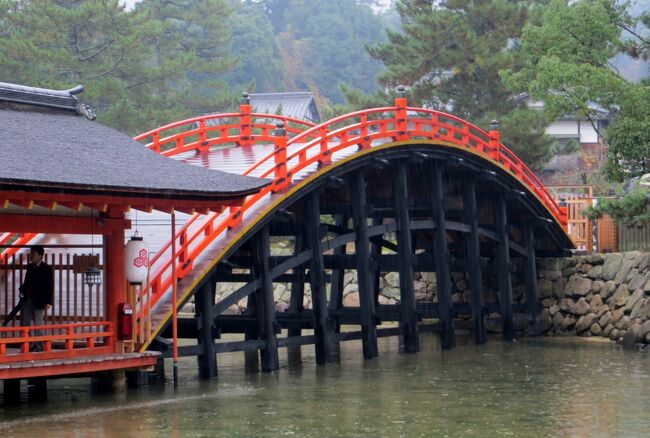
312 146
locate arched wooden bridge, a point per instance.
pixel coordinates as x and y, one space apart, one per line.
392 189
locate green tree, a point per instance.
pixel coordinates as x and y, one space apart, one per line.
64 43
256 48
449 53
141 68
323 44
191 53
566 64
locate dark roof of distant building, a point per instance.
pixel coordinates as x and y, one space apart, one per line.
48 145
300 105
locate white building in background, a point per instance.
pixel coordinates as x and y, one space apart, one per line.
575 167
571 128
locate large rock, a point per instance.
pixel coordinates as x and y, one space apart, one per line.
607 289
558 288
581 307
557 320
392 278
585 267
631 337
351 300
584 323
566 304
634 299
636 310
595 259
545 288
419 286
429 277
553 275
596 272
279 290
624 323
644 313
605 319
597 286
607 330
391 292
568 322
644 330
636 282
595 329
595 303
622 273
554 309
617 315
620 297
644 262
578 285
612 265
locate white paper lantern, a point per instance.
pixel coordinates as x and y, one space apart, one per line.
136 260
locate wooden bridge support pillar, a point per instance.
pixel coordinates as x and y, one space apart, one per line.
252 358
473 260
296 300
362 246
336 288
441 257
408 323
530 273
503 267
266 304
322 325
204 302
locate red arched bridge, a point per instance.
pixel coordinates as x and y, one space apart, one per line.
391 189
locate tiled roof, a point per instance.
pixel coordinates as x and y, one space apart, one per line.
300 105
58 148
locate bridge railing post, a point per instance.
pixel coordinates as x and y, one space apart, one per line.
494 140
280 158
401 123
245 121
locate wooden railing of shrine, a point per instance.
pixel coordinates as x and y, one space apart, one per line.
57 341
74 301
314 145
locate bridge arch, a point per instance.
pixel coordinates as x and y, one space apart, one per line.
490 217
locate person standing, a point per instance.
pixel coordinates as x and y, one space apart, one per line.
37 292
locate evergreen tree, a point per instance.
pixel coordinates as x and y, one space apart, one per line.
449 53
322 44
255 46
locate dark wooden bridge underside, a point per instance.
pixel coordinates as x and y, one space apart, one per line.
412 209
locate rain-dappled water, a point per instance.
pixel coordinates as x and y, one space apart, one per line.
536 387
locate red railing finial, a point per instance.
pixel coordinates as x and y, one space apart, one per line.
245 121
280 157
401 123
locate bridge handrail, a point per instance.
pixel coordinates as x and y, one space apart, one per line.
243 122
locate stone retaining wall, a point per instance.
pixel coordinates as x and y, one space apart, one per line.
604 295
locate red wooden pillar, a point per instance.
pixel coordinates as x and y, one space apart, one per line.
245 121
115 279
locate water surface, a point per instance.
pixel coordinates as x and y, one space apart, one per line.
543 387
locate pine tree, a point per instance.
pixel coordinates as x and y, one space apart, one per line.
449 53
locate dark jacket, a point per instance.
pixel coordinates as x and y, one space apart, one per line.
39 285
